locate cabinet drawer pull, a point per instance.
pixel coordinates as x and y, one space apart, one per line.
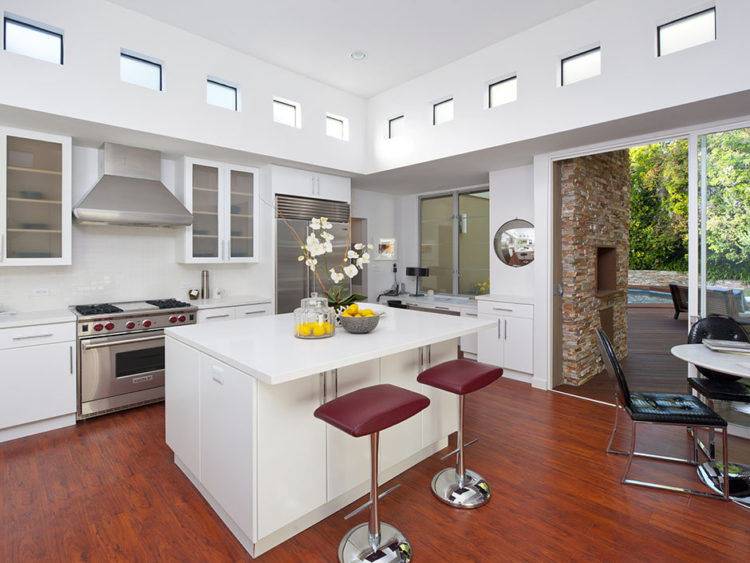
254 312
471 315
502 309
33 336
71 360
217 316
505 330
443 308
499 332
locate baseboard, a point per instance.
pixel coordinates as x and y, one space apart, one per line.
37 427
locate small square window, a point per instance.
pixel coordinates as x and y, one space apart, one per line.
221 95
286 112
396 127
582 66
140 71
337 127
442 112
503 91
689 31
33 41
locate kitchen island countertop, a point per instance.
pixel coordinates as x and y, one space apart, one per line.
266 348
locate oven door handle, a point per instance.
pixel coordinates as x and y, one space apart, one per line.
87 346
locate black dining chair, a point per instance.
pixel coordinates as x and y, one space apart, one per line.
659 408
714 385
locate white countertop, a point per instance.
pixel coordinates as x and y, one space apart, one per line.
265 347
229 301
434 300
520 300
698 354
36 318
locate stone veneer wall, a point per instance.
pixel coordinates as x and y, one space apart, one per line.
595 199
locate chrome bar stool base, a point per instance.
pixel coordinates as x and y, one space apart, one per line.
474 493
393 546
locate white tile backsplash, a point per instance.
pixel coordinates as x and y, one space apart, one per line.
121 263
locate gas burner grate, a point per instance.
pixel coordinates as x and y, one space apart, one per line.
167 303
101 309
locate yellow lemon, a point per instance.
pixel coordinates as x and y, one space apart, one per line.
319 329
329 328
353 308
303 329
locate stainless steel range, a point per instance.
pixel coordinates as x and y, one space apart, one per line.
121 352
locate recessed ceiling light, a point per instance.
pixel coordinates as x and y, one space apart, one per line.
358 55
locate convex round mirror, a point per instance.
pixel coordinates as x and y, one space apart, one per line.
514 243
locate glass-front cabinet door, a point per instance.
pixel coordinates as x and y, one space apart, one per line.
241 213
205 192
36 196
223 201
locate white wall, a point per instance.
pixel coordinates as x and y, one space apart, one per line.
633 80
380 212
112 263
511 197
88 86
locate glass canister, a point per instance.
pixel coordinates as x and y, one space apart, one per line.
314 318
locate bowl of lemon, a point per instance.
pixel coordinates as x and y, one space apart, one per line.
359 320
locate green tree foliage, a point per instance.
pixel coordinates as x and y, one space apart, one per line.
659 205
728 205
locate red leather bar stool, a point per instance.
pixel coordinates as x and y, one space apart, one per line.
362 412
460 487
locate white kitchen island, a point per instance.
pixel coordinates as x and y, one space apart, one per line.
240 397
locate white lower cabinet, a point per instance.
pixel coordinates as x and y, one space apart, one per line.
509 344
231 313
37 376
38 383
182 392
287 430
217 314
441 417
227 398
348 458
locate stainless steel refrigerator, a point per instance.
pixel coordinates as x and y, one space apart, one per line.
294 280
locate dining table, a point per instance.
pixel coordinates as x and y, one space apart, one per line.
731 363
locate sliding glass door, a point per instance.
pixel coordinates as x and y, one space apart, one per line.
721 225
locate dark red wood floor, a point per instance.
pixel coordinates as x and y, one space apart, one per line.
107 490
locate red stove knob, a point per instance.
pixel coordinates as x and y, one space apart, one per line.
130 324
98 327
147 323
109 326
172 319
181 318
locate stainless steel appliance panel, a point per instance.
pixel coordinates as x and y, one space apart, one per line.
116 365
292 276
294 280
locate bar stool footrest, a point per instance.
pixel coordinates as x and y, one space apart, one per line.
474 493
393 548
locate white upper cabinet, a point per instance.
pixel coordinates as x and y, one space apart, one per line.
291 181
35 199
223 199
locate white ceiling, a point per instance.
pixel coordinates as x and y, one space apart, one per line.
402 38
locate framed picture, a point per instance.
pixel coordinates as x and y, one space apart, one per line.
386 249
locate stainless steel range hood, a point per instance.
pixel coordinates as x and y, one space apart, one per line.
130 192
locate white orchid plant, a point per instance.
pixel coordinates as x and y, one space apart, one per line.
318 244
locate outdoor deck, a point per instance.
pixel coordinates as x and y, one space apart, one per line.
649 366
